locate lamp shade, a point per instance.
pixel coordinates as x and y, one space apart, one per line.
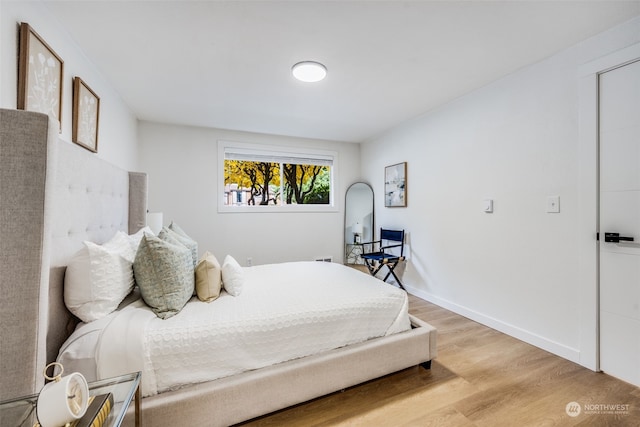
357 228
154 221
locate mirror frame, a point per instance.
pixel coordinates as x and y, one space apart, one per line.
346 240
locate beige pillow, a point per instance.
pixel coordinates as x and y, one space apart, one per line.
208 278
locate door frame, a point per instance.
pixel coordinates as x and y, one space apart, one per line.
588 200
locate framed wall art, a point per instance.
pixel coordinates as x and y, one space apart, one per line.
395 185
86 115
40 75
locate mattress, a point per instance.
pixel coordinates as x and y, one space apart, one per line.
285 311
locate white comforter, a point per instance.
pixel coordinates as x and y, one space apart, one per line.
285 311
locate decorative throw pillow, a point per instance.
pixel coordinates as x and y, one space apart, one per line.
164 273
122 242
172 236
232 276
135 238
178 230
98 278
208 278
174 227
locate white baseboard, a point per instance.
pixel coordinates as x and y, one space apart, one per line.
561 350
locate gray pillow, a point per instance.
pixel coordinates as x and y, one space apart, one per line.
174 227
164 273
169 234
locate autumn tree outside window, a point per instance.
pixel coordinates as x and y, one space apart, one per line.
275 178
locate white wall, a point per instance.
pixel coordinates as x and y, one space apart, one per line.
118 126
515 141
182 163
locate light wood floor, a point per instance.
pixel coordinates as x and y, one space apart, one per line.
481 377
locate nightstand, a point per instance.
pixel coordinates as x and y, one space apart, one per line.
21 411
353 253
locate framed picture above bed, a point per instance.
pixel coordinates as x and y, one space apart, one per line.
86 115
395 185
40 75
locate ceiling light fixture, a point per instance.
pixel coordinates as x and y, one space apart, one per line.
309 71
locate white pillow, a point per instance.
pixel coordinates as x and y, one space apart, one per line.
98 278
122 243
137 237
232 276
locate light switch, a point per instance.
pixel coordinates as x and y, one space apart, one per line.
487 205
553 204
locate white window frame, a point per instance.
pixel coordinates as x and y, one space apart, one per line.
277 151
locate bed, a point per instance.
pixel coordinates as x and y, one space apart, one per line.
54 196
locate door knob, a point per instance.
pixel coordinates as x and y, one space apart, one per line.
616 238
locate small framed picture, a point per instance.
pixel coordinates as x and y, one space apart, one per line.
395 185
40 75
86 115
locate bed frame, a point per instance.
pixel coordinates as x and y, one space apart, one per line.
53 196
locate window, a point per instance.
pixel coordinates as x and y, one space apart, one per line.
257 177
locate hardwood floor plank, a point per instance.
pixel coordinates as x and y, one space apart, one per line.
481 378
402 409
446 417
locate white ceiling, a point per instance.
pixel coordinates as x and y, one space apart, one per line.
226 64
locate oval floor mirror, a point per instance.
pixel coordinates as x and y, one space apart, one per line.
358 221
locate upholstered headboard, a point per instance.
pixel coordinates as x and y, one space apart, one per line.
53 196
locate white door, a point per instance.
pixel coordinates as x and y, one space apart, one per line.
619 123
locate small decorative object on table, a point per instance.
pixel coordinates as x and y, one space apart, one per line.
63 400
97 412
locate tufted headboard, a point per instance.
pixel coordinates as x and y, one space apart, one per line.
53 196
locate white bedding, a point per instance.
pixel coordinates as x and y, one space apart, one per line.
285 311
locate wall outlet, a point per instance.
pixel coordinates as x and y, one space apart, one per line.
249 262
553 204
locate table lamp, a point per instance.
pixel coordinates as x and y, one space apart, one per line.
154 221
357 232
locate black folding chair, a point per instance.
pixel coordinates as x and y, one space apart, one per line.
381 254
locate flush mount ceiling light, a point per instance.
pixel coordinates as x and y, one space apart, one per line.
309 71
